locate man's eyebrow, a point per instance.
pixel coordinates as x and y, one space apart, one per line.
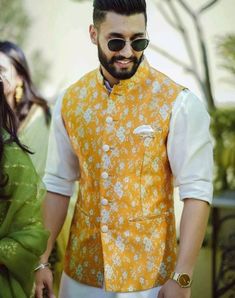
119 35
115 34
140 34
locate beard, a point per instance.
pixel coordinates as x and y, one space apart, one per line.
119 74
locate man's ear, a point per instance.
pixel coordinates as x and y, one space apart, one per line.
93 34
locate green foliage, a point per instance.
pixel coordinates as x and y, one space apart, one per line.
14 21
226 49
223 125
14 26
223 128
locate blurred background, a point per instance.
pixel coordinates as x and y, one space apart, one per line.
193 42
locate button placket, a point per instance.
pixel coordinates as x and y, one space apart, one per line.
104 229
104 202
106 147
109 120
105 175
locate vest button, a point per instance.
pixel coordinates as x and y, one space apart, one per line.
104 229
106 148
104 202
109 120
105 175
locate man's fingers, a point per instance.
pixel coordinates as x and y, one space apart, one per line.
49 287
39 291
51 293
44 284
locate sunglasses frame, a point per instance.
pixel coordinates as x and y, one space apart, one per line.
128 41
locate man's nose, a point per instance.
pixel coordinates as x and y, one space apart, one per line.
126 51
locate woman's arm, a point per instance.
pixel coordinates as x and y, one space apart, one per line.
22 235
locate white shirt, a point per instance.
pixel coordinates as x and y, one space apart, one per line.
189 149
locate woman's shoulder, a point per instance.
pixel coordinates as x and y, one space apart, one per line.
13 150
20 172
35 119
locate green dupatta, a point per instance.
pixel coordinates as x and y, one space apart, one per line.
22 235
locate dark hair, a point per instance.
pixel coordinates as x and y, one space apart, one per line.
123 7
30 95
8 124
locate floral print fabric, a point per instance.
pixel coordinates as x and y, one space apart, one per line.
123 229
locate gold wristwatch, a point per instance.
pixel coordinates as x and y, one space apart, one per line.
183 279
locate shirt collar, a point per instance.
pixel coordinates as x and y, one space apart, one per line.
107 85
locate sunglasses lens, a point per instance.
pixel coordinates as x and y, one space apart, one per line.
116 45
140 44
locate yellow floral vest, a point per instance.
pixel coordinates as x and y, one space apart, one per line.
123 229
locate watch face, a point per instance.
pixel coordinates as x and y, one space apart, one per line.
184 280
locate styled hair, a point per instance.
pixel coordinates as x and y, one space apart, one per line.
8 124
30 94
123 7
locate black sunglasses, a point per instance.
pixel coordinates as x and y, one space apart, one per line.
117 44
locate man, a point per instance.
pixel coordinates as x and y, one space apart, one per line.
125 131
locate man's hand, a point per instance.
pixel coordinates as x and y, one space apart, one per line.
172 290
55 209
44 283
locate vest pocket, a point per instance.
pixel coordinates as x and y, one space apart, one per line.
144 218
151 217
152 172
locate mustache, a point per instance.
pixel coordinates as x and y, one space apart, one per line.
120 58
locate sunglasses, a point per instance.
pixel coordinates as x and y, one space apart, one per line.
138 45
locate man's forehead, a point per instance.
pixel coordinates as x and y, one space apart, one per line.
122 24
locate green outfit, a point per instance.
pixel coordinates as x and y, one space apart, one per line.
22 235
34 133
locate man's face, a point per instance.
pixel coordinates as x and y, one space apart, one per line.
122 64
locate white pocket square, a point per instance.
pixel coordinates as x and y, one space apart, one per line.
144 130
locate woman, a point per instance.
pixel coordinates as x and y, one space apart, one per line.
31 110
22 236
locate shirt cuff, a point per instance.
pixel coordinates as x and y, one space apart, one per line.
201 190
58 185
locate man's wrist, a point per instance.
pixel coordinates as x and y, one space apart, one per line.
44 258
42 266
183 279
184 267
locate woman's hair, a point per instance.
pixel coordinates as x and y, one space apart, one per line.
8 124
123 7
30 95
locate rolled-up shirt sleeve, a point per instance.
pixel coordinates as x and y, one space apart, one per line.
62 166
190 149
